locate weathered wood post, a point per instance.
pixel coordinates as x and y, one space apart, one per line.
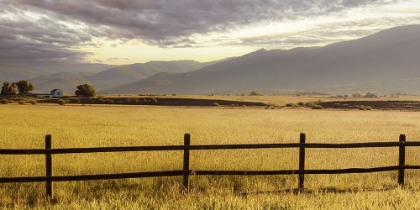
186 168
48 167
302 161
401 161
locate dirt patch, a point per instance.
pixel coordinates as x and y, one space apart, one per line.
203 102
381 105
158 101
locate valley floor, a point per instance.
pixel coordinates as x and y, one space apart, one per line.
25 126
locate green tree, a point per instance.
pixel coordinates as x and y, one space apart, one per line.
8 88
85 90
24 87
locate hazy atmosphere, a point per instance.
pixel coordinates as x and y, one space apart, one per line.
209 104
120 32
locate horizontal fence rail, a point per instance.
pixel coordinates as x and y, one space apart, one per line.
186 171
204 147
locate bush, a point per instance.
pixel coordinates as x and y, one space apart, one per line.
4 101
361 107
33 102
255 93
301 104
310 105
85 90
215 104
61 102
368 108
291 105
76 100
316 107
22 102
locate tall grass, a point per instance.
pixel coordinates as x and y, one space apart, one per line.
94 126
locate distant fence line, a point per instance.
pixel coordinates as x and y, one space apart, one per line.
186 171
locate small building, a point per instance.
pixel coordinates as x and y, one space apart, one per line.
56 93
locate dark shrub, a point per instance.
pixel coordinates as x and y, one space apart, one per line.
301 104
76 100
61 102
316 107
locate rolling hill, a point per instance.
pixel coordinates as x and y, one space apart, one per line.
17 73
384 57
129 73
66 81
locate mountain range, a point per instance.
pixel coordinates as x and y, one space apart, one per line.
107 77
384 57
384 62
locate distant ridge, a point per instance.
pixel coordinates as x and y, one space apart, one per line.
389 55
67 81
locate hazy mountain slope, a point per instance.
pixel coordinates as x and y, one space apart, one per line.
17 73
13 75
67 85
62 75
65 81
129 73
389 54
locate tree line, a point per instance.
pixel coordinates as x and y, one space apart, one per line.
24 87
21 87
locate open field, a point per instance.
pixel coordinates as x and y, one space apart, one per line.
25 126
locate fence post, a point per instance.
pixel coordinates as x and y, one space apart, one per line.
186 167
302 161
401 161
48 168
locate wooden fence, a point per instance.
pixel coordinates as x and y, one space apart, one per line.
186 171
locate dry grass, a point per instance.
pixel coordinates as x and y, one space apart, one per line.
93 126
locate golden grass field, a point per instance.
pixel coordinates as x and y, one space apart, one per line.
25 126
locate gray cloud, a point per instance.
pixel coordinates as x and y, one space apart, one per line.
60 27
323 34
162 21
24 41
118 59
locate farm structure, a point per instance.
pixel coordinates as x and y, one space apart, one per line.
186 171
55 93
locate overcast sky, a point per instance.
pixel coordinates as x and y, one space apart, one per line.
136 31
